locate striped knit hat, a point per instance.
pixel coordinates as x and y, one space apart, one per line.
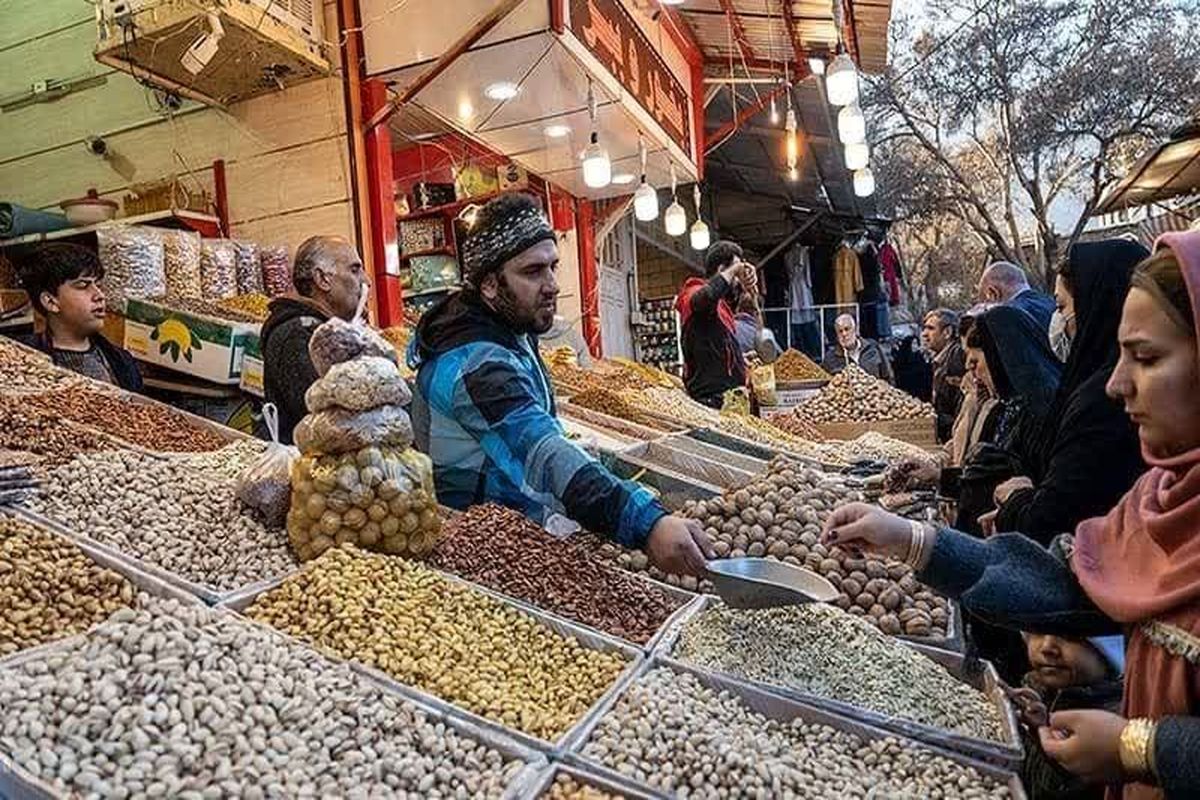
504 228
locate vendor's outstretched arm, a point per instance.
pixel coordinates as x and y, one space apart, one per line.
497 403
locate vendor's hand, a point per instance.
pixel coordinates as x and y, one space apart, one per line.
1006 489
858 525
1086 743
679 546
987 522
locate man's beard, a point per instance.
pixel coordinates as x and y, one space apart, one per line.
520 320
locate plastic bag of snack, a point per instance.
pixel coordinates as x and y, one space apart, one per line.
359 385
276 269
338 431
181 264
337 341
377 498
247 268
132 256
218 268
266 485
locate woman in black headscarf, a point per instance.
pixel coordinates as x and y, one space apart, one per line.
1086 456
1009 354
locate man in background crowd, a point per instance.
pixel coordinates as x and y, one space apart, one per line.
1006 283
939 335
330 282
63 284
712 360
850 348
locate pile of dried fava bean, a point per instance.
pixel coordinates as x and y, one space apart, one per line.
49 588
442 637
503 550
167 514
821 650
685 739
779 515
27 429
150 425
215 707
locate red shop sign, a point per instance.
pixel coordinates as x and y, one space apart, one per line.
615 38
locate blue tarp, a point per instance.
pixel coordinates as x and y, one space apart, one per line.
18 220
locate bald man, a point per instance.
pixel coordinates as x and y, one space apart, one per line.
1004 282
329 280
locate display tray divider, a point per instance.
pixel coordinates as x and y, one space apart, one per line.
18 783
713 473
773 706
586 776
762 452
978 674
655 424
610 423
588 637
674 489
920 432
683 443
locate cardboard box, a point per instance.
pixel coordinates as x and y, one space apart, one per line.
204 347
920 432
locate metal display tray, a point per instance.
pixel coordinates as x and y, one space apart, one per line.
673 489
755 450
17 783
707 470
681 442
774 706
588 637
605 422
980 675
209 594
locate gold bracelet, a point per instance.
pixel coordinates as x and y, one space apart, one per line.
916 544
1134 748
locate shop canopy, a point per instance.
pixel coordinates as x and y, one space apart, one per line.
1170 170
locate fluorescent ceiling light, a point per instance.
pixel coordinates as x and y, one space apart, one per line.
503 90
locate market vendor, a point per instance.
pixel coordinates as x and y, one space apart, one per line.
63 284
330 281
712 359
851 348
484 408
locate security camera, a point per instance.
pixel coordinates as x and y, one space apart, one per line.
96 146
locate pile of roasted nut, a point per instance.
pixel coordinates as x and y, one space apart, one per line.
855 396
794 366
503 550
685 739
176 700
443 637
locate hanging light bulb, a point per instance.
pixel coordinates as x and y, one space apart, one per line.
597 168
841 80
793 174
864 182
645 199
699 233
774 112
675 220
852 125
858 154
791 140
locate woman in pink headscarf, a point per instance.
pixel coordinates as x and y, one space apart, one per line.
1136 570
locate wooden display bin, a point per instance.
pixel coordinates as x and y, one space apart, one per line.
920 432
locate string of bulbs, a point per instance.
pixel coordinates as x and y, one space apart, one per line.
841 88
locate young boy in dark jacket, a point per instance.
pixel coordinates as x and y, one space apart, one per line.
1066 675
63 283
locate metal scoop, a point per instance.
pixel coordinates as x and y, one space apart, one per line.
762 583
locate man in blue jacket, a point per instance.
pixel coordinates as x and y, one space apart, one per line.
1006 283
484 407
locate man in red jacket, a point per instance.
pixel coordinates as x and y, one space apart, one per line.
712 361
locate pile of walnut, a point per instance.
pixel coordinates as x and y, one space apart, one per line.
855 396
779 515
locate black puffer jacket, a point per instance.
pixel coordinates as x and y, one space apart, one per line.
287 368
